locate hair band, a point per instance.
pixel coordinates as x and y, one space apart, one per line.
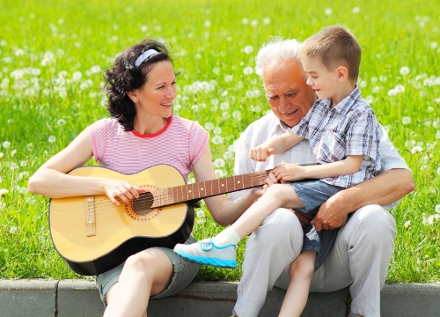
144 56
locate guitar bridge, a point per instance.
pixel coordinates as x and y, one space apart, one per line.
90 216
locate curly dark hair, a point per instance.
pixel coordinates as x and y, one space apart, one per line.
124 76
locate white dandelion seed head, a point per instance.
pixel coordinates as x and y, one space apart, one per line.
14 152
407 224
219 163
383 78
433 45
225 114
144 28
369 99
245 21
356 10
437 209
200 214
220 173
363 84
228 78
207 23
236 114
248 49
254 23
217 130
416 149
6 144
431 219
217 139
209 126
52 139
266 21
215 101
200 221
13 230
224 105
3 191
23 190
392 92
195 108
2 155
76 76
404 70
400 88
406 120
61 121
437 135
328 11
248 70
216 70
228 155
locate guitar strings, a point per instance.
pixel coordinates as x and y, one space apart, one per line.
143 202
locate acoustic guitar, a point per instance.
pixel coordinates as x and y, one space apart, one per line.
92 235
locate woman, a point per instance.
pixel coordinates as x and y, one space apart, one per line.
141 132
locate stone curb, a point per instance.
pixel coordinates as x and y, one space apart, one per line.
75 298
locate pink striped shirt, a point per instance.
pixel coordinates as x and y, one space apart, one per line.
179 144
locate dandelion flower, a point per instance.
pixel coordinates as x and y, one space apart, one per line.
224 105
207 23
13 230
3 192
433 45
437 209
52 139
254 23
217 130
400 88
437 135
220 173
245 21
217 139
228 78
195 108
248 49
14 152
236 114
200 214
266 20
209 126
248 70
219 162
200 221
23 190
416 149
328 11
369 99
6 144
406 120
404 70
228 155
356 10
407 224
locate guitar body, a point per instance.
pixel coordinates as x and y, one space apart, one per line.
92 235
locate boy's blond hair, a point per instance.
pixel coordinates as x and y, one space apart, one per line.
335 47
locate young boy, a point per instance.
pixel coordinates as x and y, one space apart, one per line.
344 134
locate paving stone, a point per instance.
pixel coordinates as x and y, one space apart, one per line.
77 298
36 297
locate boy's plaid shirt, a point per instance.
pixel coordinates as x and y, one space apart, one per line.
350 128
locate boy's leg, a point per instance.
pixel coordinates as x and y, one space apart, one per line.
276 196
360 257
300 271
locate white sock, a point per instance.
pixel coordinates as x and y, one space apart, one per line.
226 237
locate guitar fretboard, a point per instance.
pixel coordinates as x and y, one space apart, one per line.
184 193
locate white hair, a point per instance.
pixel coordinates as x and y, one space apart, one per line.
277 50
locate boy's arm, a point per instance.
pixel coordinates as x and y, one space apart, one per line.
293 172
276 145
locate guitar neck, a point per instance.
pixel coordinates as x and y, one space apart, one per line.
184 193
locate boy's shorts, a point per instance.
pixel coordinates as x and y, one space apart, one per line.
184 274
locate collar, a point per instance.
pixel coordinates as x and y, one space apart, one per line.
347 103
278 125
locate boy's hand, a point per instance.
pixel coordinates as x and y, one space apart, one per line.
260 153
289 172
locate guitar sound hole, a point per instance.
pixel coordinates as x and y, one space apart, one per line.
142 205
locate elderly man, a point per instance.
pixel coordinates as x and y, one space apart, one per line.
361 254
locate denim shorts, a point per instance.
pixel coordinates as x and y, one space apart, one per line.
313 194
184 274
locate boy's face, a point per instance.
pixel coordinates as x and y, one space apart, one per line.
320 79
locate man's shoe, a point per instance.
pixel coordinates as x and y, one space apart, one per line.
207 253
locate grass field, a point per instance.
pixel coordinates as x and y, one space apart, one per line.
52 54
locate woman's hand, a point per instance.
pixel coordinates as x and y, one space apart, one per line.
260 153
289 172
115 189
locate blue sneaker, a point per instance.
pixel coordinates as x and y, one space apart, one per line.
207 253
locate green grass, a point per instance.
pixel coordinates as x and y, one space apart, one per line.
44 44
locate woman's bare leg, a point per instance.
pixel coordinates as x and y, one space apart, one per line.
301 271
144 274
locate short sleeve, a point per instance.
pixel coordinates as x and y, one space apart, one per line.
197 142
98 133
363 135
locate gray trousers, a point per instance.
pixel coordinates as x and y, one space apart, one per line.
360 257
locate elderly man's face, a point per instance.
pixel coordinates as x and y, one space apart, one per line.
286 91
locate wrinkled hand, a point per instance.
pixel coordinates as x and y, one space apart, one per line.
260 153
331 214
288 172
117 189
